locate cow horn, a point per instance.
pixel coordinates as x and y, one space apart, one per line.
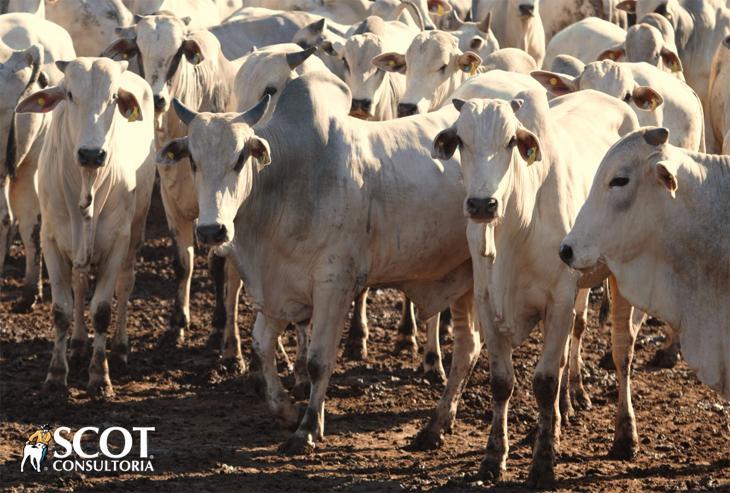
185 114
253 115
297 58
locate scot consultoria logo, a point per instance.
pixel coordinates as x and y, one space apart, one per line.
89 449
36 448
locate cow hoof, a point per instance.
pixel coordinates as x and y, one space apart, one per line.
580 399
100 390
491 470
408 346
298 445
301 390
25 304
172 338
606 362
427 439
55 390
664 358
624 449
356 351
215 340
542 477
435 376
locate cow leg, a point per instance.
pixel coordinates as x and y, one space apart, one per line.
79 335
357 338
301 375
331 303
467 345
433 368
24 203
6 219
59 275
668 355
180 317
572 391
623 337
266 333
232 355
407 329
217 272
546 384
100 384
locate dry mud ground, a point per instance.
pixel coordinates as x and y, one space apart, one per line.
214 432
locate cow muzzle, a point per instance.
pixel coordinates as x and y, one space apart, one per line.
91 157
526 10
482 210
160 103
360 108
566 254
212 234
407 109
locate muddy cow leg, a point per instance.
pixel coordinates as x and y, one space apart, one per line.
217 272
357 338
624 330
232 355
301 375
79 335
572 391
24 203
407 329
433 367
6 218
467 345
331 302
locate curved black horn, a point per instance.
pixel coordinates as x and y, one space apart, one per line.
297 58
253 115
185 114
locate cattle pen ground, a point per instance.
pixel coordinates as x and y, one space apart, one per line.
214 432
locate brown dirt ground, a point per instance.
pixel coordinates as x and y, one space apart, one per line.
215 433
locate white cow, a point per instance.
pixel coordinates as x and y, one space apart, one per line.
511 60
586 40
657 216
201 13
719 110
91 24
558 14
520 158
94 190
659 98
28 66
516 24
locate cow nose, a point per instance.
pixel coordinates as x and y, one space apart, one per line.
407 109
566 254
360 106
93 158
482 208
160 103
211 234
526 9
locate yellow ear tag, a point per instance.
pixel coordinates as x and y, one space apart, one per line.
553 81
196 59
473 69
531 155
675 66
170 155
391 63
41 102
125 56
650 105
132 115
440 10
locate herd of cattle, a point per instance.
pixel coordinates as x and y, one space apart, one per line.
498 167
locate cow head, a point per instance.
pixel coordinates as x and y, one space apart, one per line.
493 145
669 9
477 37
225 155
161 42
92 91
431 65
607 77
645 43
267 71
635 182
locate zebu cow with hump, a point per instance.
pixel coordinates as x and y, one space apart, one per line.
188 65
658 217
527 167
95 176
29 46
338 195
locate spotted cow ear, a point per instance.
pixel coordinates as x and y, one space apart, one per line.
174 151
445 144
557 84
41 101
666 173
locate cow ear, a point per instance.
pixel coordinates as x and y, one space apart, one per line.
614 53
260 151
174 151
192 51
726 42
439 8
128 106
656 136
627 6
391 62
121 49
458 103
469 62
41 101
646 98
445 144
528 145
666 174
516 104
557 84
671 60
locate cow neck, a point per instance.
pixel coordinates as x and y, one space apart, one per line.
441 96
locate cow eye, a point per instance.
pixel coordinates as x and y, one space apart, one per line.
627 97
443 69
618 181
270 91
